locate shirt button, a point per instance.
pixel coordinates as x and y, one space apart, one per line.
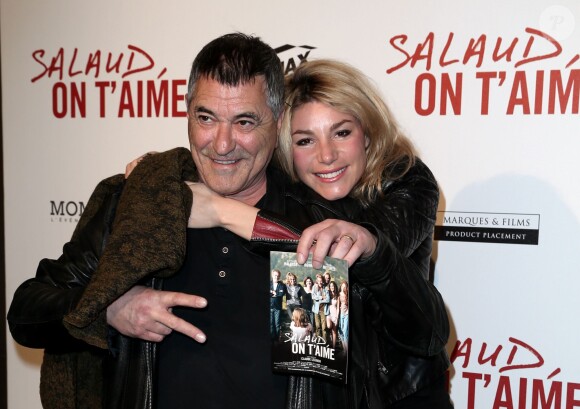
225 250
222 274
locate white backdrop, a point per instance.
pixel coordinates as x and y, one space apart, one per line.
488 90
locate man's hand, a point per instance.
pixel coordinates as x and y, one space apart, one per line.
146 314
335 238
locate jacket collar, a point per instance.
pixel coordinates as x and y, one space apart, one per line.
276 182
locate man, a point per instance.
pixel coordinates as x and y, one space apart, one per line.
321 299
277 292
235 99
327 278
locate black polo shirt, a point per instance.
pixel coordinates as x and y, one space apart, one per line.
233 368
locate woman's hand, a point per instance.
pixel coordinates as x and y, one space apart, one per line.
133 164
206 207
335 238
212 210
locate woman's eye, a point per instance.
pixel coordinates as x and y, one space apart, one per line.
303 142
343 133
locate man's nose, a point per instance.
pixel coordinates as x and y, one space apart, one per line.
224 141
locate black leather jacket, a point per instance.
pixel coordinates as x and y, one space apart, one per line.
399 326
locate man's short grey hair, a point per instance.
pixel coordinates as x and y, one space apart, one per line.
235 59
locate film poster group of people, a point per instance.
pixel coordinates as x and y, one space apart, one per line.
316 308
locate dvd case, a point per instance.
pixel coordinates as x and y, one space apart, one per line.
309 316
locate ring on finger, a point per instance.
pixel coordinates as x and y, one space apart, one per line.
346 236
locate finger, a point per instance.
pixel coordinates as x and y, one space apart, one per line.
326 231
148 329
129 168
342 247
155 336
363 247
353 255
133 164
304 246
152 336
173 299
180 325
159 328
332 248
324 242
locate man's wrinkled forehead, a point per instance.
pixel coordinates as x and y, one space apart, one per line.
226 87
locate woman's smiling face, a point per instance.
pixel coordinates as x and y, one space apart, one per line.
328 149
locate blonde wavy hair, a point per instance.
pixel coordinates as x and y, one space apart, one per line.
390 154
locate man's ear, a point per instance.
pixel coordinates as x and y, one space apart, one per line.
187 104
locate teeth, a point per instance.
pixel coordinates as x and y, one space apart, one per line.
330 175
225 162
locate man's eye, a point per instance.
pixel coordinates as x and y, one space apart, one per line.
203 118
246 123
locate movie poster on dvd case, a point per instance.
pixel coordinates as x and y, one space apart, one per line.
309 316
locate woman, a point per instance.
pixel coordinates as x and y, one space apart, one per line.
333 310
339 138
294 294
307 299
343 317
300 326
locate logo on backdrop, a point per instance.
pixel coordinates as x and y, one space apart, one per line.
527 74
514 374
66 211
126 83
505 228
292 56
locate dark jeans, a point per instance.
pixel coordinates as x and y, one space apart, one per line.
274 323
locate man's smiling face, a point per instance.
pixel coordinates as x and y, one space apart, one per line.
232 135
